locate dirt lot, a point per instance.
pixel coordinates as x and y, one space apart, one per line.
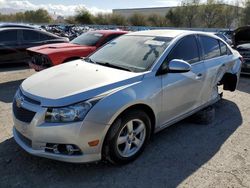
184 155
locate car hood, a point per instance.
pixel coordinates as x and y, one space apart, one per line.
58 47
241 36
244 46
76 81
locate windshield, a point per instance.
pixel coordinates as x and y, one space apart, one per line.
88 39
137 53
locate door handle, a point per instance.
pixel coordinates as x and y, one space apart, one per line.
198 76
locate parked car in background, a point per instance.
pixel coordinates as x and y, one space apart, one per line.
49 55
15 40
227 33
241 42
223 37
9 25
108 105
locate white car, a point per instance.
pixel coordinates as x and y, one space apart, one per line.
108 105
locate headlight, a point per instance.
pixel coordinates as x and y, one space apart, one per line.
72 113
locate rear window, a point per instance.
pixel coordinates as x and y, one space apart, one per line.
223 48
211 47
44 36
88 39
29 35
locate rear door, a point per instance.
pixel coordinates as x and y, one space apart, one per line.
216 57
9 46
183 92
30 38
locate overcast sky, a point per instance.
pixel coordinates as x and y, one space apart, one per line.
67 7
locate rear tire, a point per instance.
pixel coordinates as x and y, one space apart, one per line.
127 137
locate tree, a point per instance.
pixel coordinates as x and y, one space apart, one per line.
210 13
246 13
228 15
70 20
38 16
174 17
137 20
189 10
102 19
83 16
117 19
156 20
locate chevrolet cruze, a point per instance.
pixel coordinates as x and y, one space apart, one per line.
108 105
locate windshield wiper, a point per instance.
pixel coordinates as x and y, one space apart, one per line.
114 66
88 59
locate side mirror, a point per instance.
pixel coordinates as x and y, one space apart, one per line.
178 66
174 66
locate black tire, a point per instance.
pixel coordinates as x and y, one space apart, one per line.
110 150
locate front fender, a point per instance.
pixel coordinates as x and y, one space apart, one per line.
147 92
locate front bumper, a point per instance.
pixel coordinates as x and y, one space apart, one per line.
33 136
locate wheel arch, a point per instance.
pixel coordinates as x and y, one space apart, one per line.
143 107
229 81
140 106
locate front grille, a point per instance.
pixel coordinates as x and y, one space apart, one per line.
245 53
25 140
40 59
22 114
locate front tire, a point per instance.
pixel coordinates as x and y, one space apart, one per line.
127 137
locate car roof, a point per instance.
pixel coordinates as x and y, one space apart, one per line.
6 25
31 29
19 28
166 33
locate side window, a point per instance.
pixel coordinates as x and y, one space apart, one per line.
223 49
211 47
8 36
186 50
45 37
109 38
29 36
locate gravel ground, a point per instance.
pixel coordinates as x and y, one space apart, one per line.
183 155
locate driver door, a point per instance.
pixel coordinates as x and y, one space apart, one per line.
182 92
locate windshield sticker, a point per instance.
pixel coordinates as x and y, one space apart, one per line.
155 42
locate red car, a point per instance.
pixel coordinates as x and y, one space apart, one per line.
46 56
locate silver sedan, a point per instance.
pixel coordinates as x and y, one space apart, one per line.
108 105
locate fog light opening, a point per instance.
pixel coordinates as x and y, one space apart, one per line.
65 149
70 149
55 149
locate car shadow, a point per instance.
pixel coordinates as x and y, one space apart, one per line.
172 156
8 90
244 84
13 67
